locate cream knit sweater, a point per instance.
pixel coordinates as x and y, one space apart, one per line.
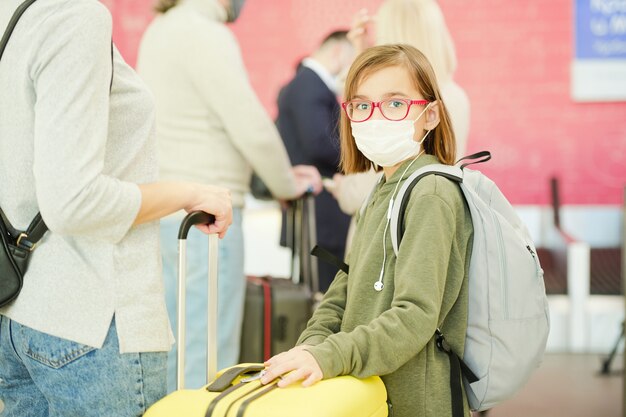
76 151
211 127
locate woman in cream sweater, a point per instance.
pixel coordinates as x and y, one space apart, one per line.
211 128
88 334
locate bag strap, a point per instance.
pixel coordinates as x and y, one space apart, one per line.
452 172
475 158
326 256
397 227
397 230
457 367
402 198
12 23
26 239
246 403
37 227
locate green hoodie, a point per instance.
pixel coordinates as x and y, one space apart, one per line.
359 331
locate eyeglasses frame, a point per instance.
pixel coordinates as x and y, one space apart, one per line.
375 104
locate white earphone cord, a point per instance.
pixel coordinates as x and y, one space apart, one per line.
378 285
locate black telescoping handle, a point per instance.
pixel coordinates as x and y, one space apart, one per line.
192 219
301 238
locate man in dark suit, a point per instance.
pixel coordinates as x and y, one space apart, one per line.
308 114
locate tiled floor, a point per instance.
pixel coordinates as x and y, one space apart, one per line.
568 385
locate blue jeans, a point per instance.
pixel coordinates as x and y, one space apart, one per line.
45 376
231 294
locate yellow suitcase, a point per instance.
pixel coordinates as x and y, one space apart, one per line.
344 396
237 391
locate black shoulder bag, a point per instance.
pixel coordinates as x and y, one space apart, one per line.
16 245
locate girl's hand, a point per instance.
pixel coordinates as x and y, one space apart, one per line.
216 201
298 360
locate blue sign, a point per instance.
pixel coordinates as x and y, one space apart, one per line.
600 29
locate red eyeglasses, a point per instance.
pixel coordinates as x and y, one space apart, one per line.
394 109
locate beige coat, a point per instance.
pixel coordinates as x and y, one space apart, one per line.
211 127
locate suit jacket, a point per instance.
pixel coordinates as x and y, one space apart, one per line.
308 114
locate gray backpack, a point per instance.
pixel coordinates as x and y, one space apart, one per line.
508 321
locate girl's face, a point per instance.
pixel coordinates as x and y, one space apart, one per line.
395 82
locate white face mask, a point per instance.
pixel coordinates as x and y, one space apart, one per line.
386 142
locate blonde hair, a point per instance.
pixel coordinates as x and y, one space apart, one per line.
419 23
163 6
440 142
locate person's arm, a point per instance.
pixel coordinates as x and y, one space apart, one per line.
327 317
72 74
325 321
351 190
220 77
420 280
359 34
163 198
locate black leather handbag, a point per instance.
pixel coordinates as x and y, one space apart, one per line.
17 245
15 252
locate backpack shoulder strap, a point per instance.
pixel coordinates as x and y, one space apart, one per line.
402 199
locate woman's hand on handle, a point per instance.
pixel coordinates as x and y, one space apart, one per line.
163 198
216 201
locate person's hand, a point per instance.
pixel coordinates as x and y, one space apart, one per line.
359 31
308 178
216 201
337 182
298 360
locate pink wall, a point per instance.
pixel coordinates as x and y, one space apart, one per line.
514 60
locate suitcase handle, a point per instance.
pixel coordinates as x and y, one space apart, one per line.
226 379
301 237
192 219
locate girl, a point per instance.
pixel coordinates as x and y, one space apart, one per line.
381 318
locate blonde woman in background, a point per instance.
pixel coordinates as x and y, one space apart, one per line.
421 24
